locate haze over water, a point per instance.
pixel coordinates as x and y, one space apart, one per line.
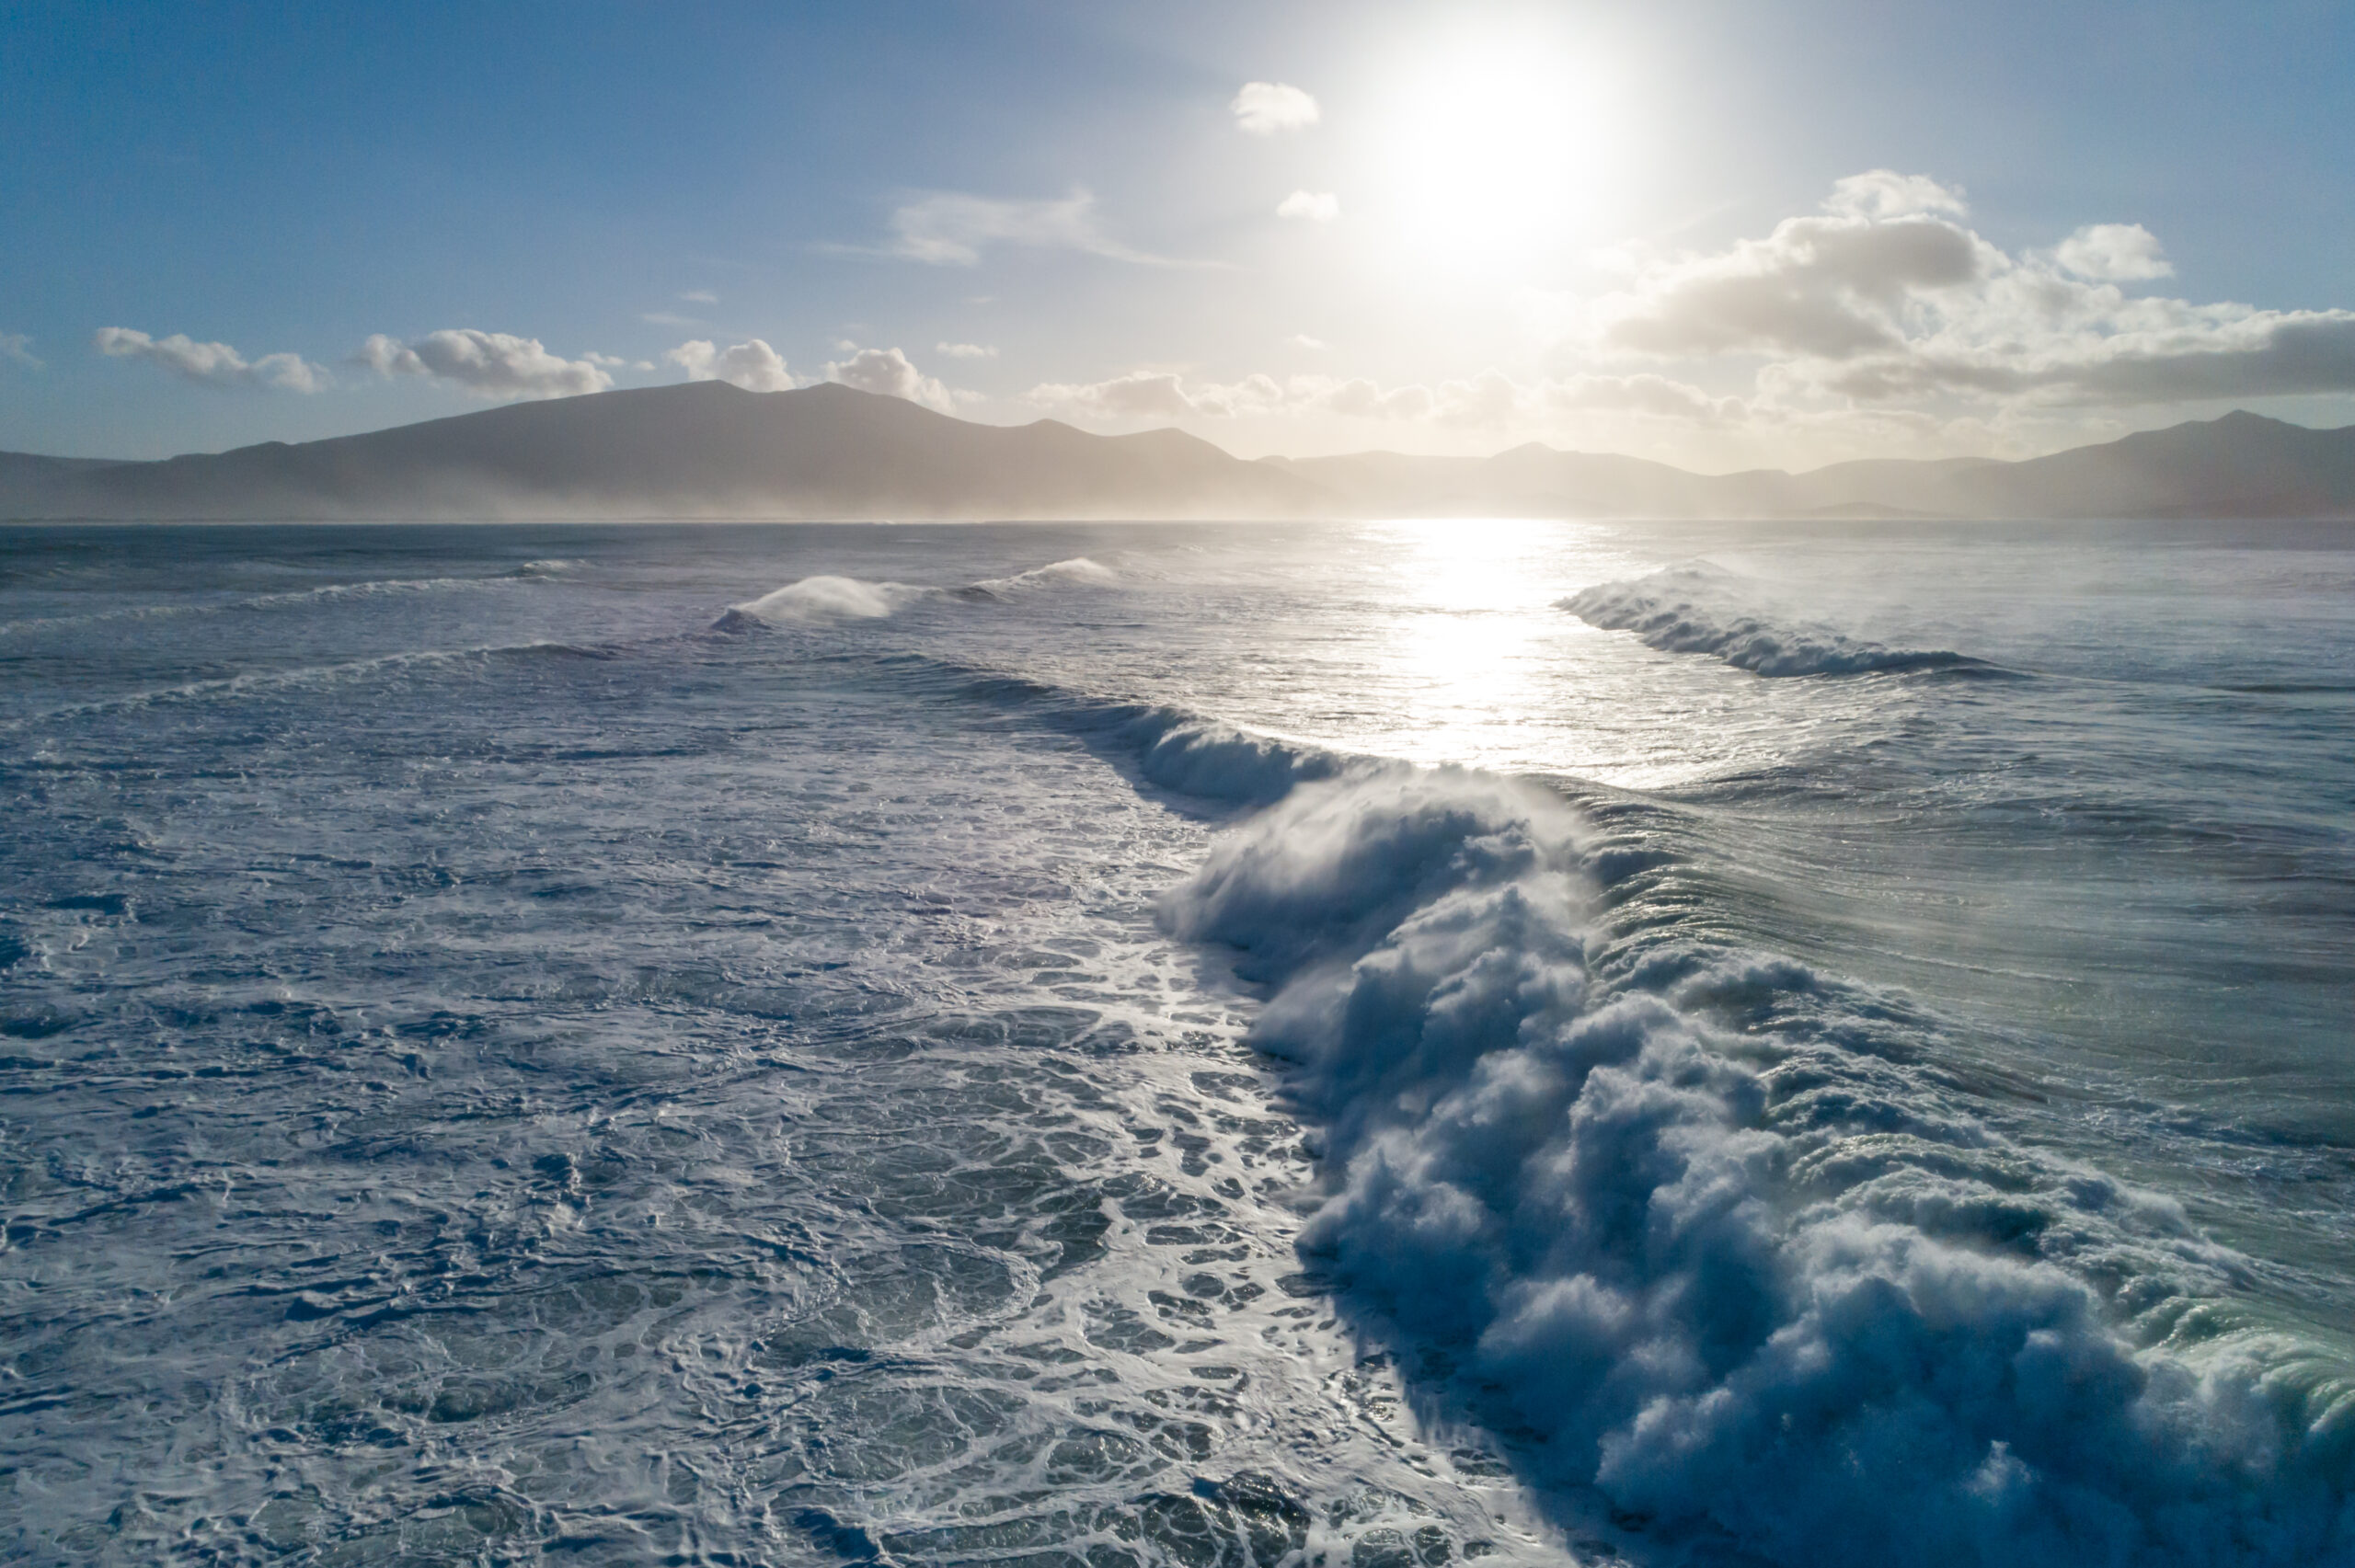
1382 1042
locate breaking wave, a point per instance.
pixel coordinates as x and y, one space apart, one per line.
823 599
1701 610
1079 570
818 600
1727 1236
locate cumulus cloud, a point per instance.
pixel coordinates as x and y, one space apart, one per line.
1138 394
889 373
484 364
967 351
1490 400
952 229
16 349
1262 109
1829 287
752 364
1883 194
1886 294
2119 253
1317 207
216 364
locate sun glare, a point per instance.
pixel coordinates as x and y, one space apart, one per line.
1495 148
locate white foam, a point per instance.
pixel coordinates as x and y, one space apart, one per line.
1686 1214
823 599
1078 570
1699 609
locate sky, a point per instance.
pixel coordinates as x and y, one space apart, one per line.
1723 234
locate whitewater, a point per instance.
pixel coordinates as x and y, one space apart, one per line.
1384 1044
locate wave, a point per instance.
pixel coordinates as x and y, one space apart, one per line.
313 676
1701 610
1077 571
1719 1230
820 600
254 602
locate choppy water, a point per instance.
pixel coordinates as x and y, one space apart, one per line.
1371 1044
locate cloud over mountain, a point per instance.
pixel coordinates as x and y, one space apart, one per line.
1489 400
484 364
752 364
216 363
1886 295
888 372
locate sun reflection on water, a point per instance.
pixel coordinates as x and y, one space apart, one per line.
1476 641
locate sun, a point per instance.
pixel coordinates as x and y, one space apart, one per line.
1493 148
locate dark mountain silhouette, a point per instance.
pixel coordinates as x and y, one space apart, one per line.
2242 465
710 450
705 449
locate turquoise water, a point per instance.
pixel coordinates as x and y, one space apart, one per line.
1372 1043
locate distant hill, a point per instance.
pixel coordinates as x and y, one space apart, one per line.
2242 465
706 449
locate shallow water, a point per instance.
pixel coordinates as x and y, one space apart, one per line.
1389 1043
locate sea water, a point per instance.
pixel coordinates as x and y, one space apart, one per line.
1346 1044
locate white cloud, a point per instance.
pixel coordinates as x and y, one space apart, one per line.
669 318
2115 253
1882 194
1149 395
952 229
887 372
967 351
608 361
1830 287
1263 109
484 364
16 349
1315 206
700 297
752 364
1489 401
1303 340
1885 297
215 363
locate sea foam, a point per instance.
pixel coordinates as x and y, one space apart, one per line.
1699 609
1723 1232
823 599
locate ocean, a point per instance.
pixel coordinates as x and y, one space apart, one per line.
1376 1045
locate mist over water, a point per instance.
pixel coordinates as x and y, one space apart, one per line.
1373 1044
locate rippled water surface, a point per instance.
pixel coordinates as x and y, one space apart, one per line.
1369 1044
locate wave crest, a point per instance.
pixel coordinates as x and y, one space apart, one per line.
819 600
1699 609
1077 571
1695 1218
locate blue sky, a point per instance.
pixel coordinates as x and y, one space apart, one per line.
1719 234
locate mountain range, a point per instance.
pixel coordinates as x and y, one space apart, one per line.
710 450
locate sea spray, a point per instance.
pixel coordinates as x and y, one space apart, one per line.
1700 609
1721 1231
